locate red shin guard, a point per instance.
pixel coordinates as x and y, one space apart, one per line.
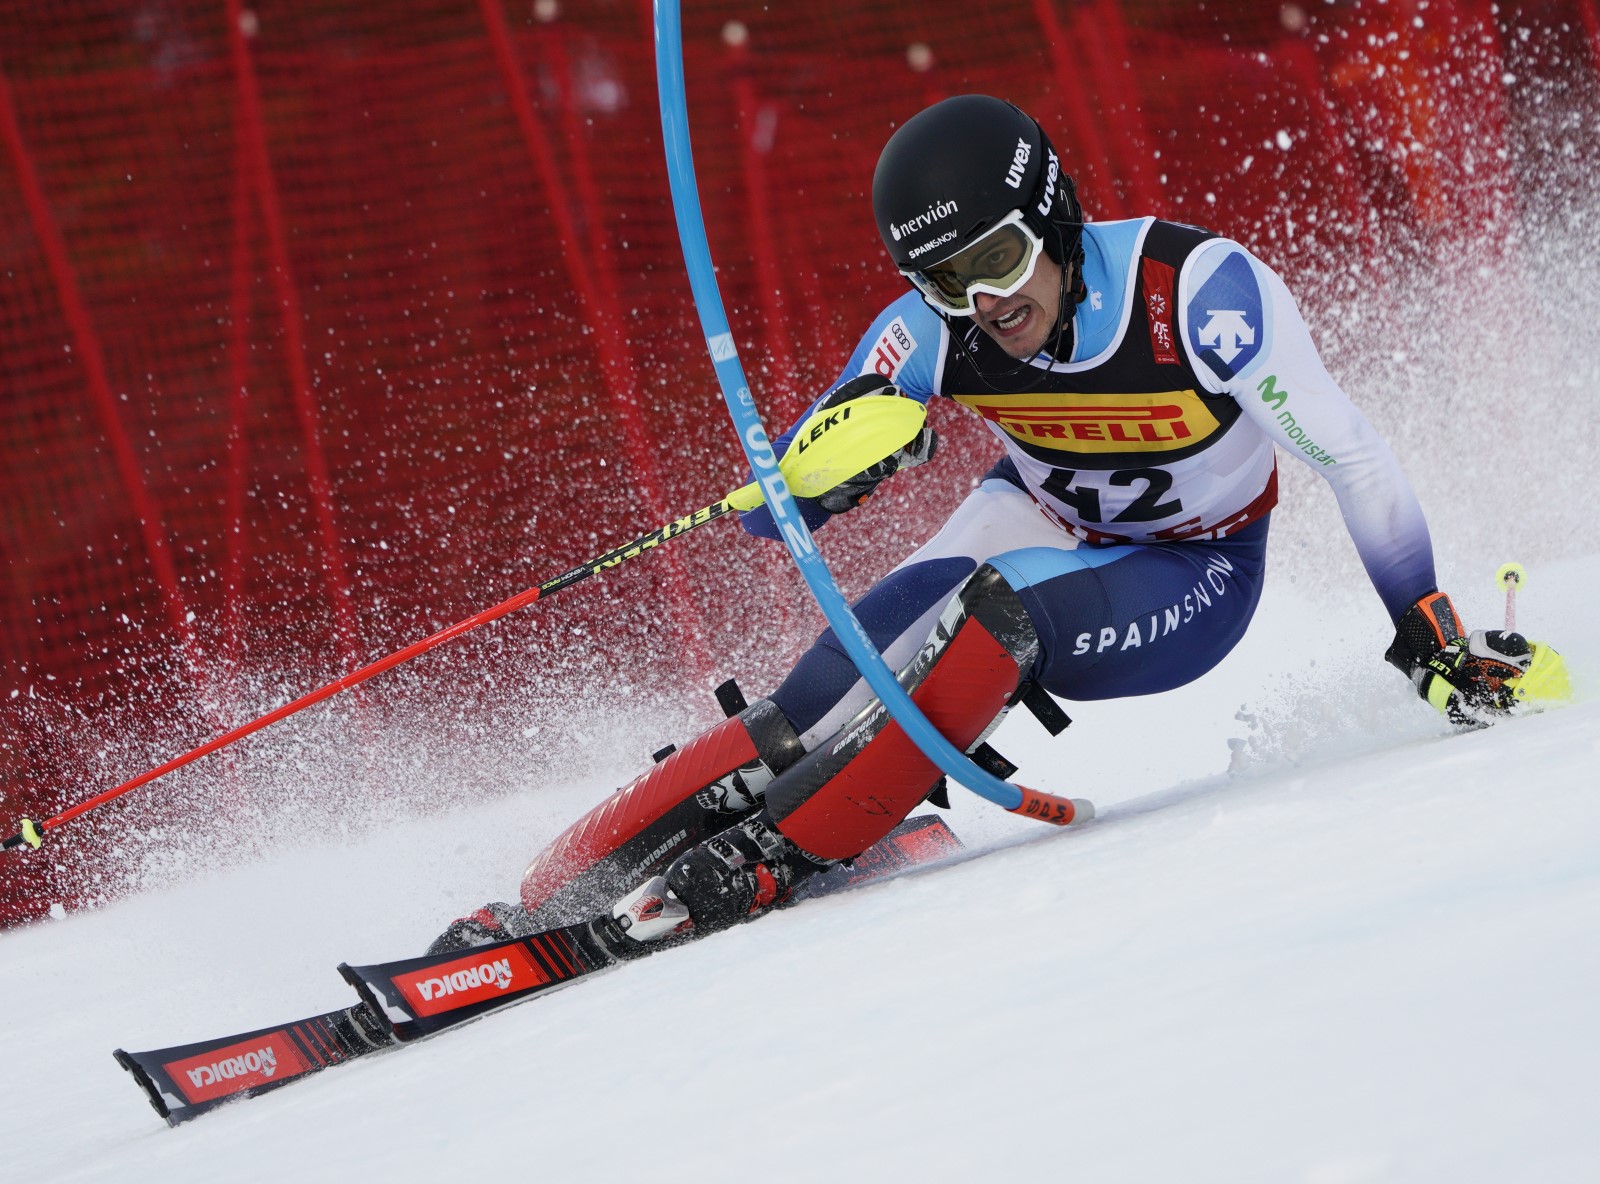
850 791
696 791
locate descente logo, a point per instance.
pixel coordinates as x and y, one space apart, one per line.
496 974
262 1060
927 218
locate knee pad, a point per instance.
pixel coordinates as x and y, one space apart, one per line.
856 786
709 784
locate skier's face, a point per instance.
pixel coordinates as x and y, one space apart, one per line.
1022 322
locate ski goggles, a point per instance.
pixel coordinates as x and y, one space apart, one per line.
998 263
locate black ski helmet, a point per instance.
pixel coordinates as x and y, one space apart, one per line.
955 169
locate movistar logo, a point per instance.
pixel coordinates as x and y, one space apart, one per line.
927 218
1275 396
1272 394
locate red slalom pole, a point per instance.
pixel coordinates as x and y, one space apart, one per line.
32 833
821 458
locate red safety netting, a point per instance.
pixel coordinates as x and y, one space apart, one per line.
324 325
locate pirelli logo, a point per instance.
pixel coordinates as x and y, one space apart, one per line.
1161 422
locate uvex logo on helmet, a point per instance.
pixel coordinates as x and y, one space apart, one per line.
935 212
1019 163
1052 175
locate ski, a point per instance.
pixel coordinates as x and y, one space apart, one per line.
416 997
412 998
189 1079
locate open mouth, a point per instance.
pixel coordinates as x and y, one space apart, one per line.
1013 320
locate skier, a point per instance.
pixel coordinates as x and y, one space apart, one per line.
1140 375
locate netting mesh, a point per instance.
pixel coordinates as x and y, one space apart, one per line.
325 324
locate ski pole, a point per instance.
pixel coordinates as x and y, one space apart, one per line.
820 457
1511 576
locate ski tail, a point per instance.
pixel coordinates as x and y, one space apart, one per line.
922 838
190 1079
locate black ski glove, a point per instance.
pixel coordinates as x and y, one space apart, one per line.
850 493
1469 677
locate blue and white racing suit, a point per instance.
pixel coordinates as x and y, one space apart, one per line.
1130 510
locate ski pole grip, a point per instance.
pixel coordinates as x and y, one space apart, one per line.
1047 807
1511 576
29 834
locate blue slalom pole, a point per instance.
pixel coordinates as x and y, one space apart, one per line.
758 448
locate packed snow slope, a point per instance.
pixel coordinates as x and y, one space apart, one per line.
1313 936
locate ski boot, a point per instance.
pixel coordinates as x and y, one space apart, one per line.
745 871
495 921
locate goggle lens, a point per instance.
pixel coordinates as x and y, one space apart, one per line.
999 263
